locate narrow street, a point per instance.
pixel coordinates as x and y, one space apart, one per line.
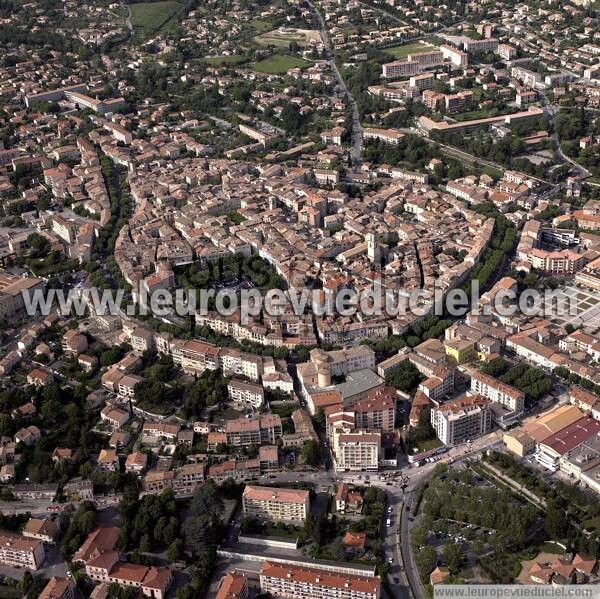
357 134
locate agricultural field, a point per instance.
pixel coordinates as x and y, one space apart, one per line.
406 49
282 38
280 63
148 18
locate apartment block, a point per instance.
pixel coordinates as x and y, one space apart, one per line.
356 450
389 136
378 411
413 64
233 586
244 393
198 356
276 504
287 581
21 552
497 391
462 419
263 430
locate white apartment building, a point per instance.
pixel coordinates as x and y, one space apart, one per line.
455 56
389 136
484 45
246 393
497 391
234 361
462 419
276 504
289 581
356 450
21 552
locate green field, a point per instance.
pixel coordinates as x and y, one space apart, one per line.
149 17
225 60
280 63
406 49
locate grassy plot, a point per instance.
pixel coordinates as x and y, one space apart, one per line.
406 49
280 63
233 59
149 17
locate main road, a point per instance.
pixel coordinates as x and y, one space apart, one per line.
357 133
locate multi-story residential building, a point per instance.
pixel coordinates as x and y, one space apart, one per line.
413 64
304 430
506 51
45 491
497 391
198 356
241 392
290 581
161 430
58 588
461 419
73 342
127 383
233 586
276 504
585 400
449 103
342 361
561 262
457 57
356 450
238 470
21 552
42 529
262 430
378 411
484 45
532 350
389 136
525 97
136 462
234 362
141 340
114 416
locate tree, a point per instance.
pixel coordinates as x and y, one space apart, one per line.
555 523
311 452
337 551
452 557
175 550
426 560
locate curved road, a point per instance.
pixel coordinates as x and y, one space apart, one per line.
357 134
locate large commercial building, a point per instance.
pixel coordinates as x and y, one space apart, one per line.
285 581
21 552
551 450
524 440
276 504
462 419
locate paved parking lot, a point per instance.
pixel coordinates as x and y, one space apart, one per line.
580 307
